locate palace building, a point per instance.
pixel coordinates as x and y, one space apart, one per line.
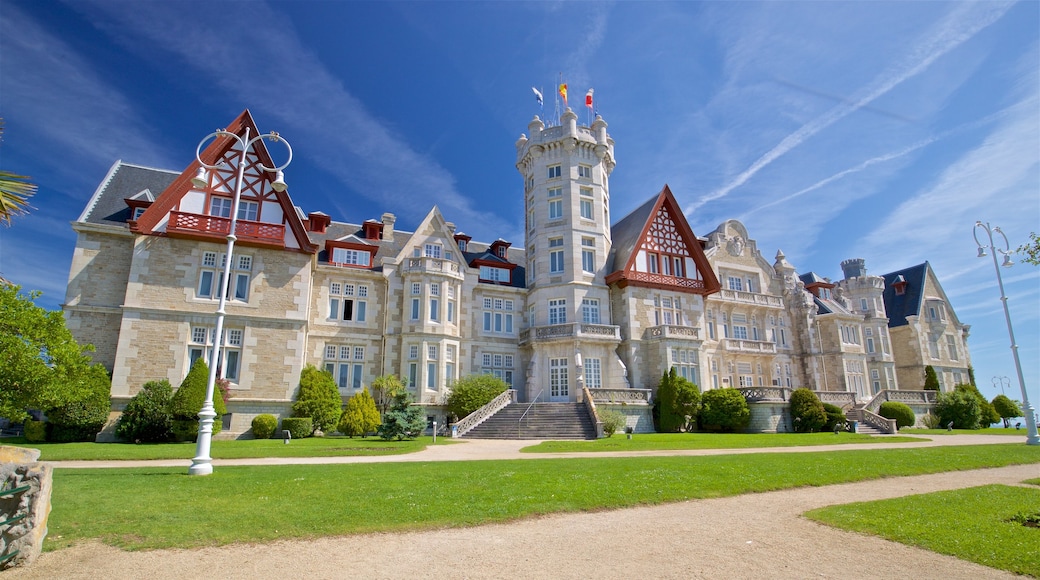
583 308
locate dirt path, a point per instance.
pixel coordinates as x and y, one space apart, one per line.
749 536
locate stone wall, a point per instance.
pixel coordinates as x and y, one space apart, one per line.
24 538
637 417
770 417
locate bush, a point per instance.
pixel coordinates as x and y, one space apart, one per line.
82 418
384 389
1007 408
147 415
959 407
188 400
35 431
403 420
473 392
903 415
931 380
835 417
988 415
612 421
807 411
930 421
360 417
724 410
677 404
298 427
319 399
264 426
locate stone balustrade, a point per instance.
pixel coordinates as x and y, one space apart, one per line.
626 396
839 398
480 415
756 394
673 331
757 346
430 265
906 397
572 330
752 298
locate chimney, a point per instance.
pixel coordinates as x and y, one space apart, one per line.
388 226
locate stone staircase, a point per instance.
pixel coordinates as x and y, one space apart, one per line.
543 421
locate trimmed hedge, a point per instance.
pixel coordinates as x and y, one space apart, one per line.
903 414
835 417
35 431
724 409
146 418
298 427
264 426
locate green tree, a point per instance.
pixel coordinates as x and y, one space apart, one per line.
669 417
15 192
931 380
960 408
987 414
318 399
1007 408
687 402
473 392
835 417
146 418
403 421
41 365
612 421
724 410
187 401
1031 250
82 418
360 417
384 389
807 412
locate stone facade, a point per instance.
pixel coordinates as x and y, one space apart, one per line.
580 303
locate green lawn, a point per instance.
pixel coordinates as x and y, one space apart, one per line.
157 508
309 447
673 441
987 431
937 521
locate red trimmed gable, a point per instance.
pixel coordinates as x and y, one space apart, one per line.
182 210
354 256
667 255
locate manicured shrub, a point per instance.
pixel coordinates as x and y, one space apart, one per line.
187 402
724 410
35 431
403 421
298 427
807 411
687 402
360 417
931 380
318 399
473 392
613 421
835 417
264 426
960 408
146 418
677 403
82 418
903 414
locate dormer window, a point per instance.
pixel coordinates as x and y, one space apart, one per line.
462 245
138 212
899 285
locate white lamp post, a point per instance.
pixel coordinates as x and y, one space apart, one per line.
202 463
1000 383
1032 438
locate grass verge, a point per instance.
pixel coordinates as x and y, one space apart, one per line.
309 447
937 522
674 441
987 431
161 508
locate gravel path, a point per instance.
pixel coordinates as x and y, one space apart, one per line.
749 536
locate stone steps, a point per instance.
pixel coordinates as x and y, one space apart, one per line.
542 421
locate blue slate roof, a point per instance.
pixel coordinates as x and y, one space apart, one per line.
624 234
909 303
125 181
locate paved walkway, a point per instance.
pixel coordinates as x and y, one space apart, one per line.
760 535
483 449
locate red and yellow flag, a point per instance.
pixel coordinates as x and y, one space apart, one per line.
563 92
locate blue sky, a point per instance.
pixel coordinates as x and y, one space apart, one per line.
832 130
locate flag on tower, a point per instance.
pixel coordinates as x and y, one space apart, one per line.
588 99
537 95
563 92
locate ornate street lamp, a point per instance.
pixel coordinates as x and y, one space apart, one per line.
1001 382
1032 438
202 464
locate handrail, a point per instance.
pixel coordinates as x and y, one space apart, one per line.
521 419
878 422
590 406
477 417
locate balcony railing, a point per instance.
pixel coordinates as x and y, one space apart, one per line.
572 329
200 226
625 396
751 298
749 345
430 265
662 279
672 331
